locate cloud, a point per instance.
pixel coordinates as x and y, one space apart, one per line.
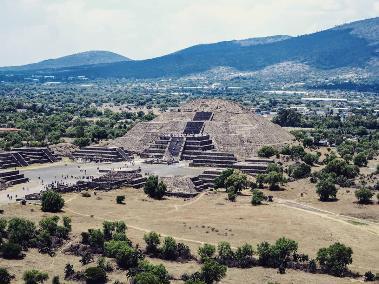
32 30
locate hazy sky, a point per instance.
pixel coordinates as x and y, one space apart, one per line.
32 30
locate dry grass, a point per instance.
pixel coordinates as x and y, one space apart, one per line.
210 218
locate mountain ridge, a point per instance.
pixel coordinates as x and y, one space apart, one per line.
91 57
352 45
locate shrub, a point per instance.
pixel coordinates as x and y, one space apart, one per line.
169 248
220 180
152 240
364 195
298 171
55 280
267 152
120 199
154 189
21 231
360 160
126 256
237 180
335 258
52 201
232 195
96 238
225 253
34 277
206 251
326 189
95 275
273 178
68 271
11 250
257 197
212 271
146 278
369 276
244 256
158 271
5 277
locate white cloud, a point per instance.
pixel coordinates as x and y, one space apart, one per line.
31 30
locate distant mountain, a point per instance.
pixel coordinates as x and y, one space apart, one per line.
353 46
77 59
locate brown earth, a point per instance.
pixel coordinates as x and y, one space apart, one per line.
210 218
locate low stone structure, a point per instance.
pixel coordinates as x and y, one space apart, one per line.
102 154
21 157
9 178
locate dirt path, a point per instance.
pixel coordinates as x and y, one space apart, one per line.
132 226
365 225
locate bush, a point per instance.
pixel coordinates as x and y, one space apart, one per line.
146 278
169 248
273 178
55 280
95 239
232 195
206 252
21 231
152 240
120 199
5 277
86 194
267 152
278 254
154 189
52 201
335 258
220 180
212 271
257 198
126 256
360 160
326 189
244 256
34 277
158 272
369 276
225 253
298 171
237 180
11 250
364 195
95 275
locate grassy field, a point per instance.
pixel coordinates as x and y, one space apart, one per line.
211 218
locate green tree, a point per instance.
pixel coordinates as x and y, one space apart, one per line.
152 240
34 277
273 178
267 152
237 180
257 197
364 195
21 231
52 201
335 258
5 277
95 275
206 251
288 117
155 189
299 170
212 271
220 180
120 199
326 189
169 248
11 250
360 160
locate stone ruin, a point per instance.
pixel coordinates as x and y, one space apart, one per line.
109 181
102 154
9 178
22 157
208 133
